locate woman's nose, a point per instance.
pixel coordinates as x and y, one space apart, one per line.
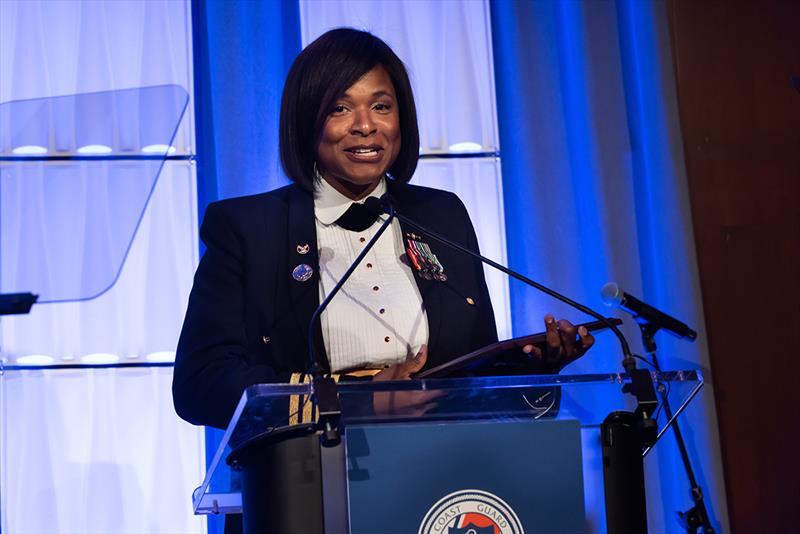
362 124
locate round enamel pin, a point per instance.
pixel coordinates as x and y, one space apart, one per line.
302 273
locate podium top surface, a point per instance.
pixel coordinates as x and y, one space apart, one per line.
266 411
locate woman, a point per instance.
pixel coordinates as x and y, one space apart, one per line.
348 130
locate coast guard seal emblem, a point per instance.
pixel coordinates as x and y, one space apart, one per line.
471 511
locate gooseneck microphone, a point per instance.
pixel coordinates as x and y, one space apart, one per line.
384 205
643 313
324 388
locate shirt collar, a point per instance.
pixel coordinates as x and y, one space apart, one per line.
330 204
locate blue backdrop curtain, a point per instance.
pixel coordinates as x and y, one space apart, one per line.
595 190
242 53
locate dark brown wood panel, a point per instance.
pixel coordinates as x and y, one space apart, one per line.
740 119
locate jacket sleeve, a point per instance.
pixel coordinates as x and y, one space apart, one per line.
486 331
212 367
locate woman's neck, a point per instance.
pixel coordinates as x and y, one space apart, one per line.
350 190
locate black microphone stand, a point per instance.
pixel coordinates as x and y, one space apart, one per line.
697 516
324 388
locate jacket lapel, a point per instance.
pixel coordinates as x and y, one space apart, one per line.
428 289
302 255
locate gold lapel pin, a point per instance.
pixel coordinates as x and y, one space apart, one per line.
303 249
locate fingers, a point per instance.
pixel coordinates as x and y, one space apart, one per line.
553 345
405 402
413 403
422 410
569 334
415 364
427 397
386 374
564 343
587 339
533 351
404 370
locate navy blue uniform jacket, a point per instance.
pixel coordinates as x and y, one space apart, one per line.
247 318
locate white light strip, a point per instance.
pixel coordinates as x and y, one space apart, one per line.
100 358
35 359
29 150
163 356
465 146
93 150
159 149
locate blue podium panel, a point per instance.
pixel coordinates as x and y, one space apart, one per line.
489 477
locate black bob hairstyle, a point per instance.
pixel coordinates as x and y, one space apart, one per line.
320 75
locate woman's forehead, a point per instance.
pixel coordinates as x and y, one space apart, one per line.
374 83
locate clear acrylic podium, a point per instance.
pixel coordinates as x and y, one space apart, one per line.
288 479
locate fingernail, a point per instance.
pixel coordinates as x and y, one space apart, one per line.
549 319
582 331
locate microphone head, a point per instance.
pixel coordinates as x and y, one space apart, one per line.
611 295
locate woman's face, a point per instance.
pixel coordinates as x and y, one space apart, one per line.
361 136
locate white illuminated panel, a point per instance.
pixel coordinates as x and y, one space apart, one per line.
142 313
476 181
96 450
81 46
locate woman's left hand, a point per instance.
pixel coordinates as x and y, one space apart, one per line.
410 403
565 344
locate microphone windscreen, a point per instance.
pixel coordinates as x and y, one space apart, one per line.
611 294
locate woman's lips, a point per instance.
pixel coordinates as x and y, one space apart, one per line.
365 154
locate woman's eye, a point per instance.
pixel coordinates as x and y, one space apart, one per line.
382 107
338 109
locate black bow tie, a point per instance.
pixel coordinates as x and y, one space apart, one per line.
357 218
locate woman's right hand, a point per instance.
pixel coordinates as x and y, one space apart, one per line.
410 403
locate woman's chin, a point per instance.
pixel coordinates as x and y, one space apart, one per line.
355 187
